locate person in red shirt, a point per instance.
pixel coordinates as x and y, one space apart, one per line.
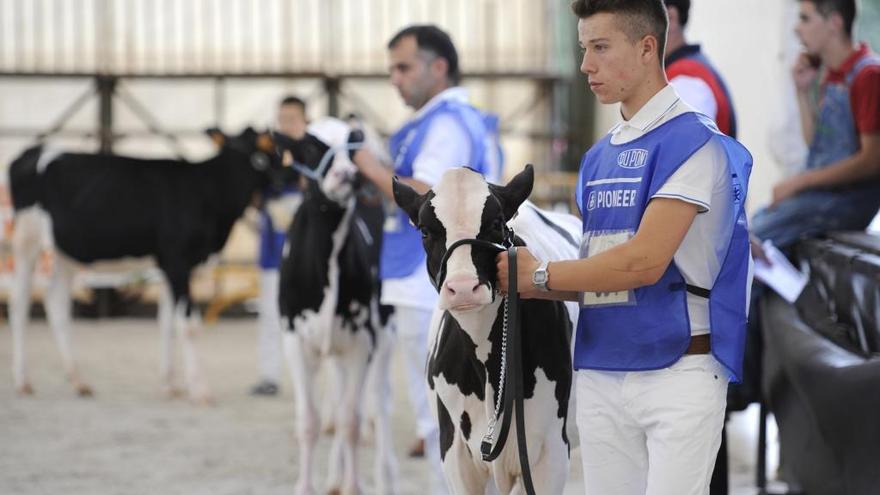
692 75
839 189
838 93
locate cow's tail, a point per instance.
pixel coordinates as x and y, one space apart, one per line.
24 179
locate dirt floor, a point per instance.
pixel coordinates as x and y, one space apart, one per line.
129 440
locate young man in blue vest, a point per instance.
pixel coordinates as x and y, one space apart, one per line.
445 132
664 270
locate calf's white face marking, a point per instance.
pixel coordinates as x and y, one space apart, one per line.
458 204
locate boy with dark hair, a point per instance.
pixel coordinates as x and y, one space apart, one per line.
840 188
664 268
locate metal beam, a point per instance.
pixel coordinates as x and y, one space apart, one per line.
106 86
489 76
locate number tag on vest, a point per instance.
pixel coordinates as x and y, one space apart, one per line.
592 244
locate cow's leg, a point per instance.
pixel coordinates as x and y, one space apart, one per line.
58 308
166 342
332 395
303 365
379 389
550 468
461 473
332 402
187 323
26 250
354 366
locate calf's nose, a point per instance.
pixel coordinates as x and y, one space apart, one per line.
461 286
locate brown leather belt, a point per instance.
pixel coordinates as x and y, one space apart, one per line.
699 345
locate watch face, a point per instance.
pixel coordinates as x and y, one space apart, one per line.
539 277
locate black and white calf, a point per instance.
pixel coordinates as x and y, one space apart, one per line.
465 356
104 208
329 300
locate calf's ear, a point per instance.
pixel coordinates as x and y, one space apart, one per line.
407 199
516 191
265 143
216 135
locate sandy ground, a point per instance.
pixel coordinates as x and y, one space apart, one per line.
129 440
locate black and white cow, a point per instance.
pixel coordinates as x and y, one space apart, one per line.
465 356
100 208
329 300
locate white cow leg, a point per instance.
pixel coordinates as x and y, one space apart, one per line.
550 468
332 403
348 426
58 310
331 397
436 467
303 365
187 328
26 254
166 343
461 471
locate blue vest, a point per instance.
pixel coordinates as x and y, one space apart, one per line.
653 330
402 250
271 240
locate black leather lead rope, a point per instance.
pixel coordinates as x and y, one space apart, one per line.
514 396
516 372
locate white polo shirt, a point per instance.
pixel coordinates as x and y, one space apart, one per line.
446 145
702 180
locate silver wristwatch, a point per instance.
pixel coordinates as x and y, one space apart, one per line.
541 277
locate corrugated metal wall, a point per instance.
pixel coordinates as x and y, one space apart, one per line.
261 36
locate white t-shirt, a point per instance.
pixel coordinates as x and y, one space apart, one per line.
446 145
703 180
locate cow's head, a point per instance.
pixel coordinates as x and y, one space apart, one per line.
259 149
324 155
464 206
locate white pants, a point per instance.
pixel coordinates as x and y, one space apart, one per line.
269 328
412 325
651 432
